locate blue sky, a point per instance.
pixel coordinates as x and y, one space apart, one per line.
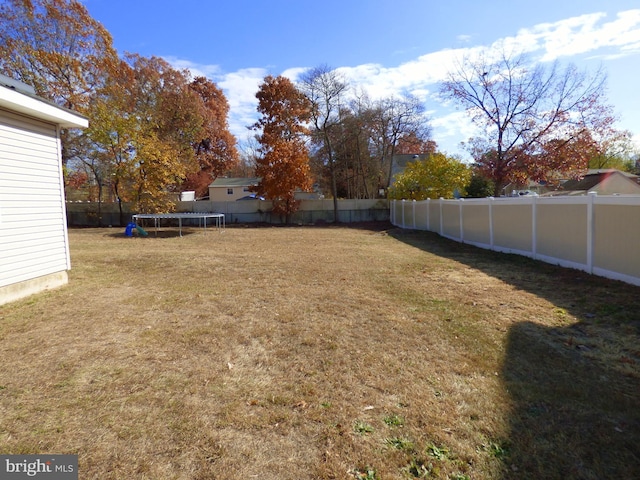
384 46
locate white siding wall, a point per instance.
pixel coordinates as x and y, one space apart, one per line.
33 232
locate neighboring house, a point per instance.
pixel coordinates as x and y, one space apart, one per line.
602 182
399 163
231 189
34 247
529 188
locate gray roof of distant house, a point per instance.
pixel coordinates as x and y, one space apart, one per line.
235 182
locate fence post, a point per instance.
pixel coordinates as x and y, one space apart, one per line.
403 202
413 213
441 220
491 199
460 203
428 214
534 226
591 197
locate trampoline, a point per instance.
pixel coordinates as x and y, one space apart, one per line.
215 218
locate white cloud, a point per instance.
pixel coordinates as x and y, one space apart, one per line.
451 129
411 77
579 35
548 41
240 88
294 73
196 70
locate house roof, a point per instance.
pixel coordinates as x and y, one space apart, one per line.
597 180
18 97
228 182
586 183
593 178
595 171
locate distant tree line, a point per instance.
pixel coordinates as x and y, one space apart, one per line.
345 140
154 129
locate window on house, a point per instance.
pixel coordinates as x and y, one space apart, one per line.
245 189
229 191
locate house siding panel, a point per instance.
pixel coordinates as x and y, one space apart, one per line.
33 234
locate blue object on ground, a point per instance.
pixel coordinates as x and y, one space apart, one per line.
129 230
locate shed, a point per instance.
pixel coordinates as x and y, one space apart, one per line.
34 246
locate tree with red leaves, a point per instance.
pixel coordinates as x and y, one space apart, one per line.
284 164
216 151
539 122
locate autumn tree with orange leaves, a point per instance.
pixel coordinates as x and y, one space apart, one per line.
56 47
538 121
155 132
150 126
412 144
215 150
143 126
284 163
61 51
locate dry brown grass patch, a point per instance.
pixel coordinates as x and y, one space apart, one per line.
286 353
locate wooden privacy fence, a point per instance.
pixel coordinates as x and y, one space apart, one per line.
596 234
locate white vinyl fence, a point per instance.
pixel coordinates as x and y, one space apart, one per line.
596 234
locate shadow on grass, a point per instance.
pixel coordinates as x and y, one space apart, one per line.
164 232
373 226
576 415
575 389
167 231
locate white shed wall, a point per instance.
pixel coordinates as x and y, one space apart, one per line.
33 231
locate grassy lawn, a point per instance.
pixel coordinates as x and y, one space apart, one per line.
320 353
